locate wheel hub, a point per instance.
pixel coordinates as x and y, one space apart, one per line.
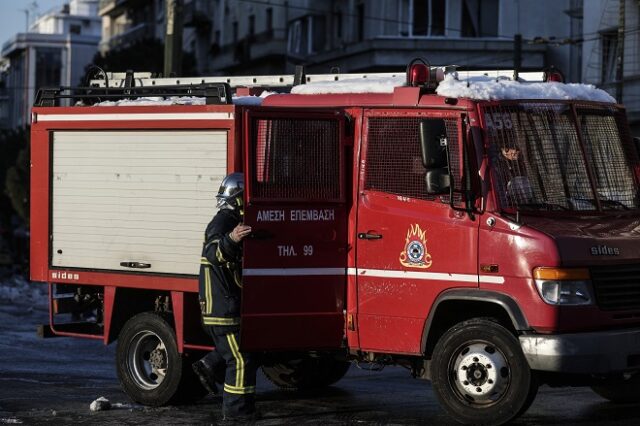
481 373
147 360
157 358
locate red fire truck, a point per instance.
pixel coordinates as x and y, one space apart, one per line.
483 232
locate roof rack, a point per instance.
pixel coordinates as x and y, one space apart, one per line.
146 79
214 93
218 89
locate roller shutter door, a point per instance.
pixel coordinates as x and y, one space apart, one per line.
134 200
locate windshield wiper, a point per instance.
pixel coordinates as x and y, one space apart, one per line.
543 205
614 203
605 202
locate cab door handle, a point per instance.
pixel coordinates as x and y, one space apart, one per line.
136 265
369 236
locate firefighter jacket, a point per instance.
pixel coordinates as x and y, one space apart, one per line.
221 274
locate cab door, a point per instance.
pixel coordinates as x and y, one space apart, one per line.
410 245
294 267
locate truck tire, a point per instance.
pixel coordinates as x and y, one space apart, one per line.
150 368
620 391
306 373
480 374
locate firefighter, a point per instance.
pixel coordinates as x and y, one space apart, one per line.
220 292
511 171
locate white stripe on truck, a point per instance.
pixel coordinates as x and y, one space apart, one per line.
136 117
380 273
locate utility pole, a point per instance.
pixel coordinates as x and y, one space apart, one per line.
620 53
173 39
517 55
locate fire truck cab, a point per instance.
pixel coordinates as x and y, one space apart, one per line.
481 231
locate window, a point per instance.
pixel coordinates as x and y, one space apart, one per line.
394 161
297 37
75 29
307 35
479 20
269 19
609 42
360 17
296 159
551 171
337 19
422 17
252 25
48 66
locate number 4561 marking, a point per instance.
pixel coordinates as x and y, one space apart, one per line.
498 120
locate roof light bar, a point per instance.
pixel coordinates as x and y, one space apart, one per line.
553 75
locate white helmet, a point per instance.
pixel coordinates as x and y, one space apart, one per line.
230 193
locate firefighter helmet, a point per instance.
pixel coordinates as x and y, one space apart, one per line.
230 193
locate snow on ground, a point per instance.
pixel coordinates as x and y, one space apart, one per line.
100 404
17 289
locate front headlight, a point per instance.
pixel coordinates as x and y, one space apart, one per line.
564 286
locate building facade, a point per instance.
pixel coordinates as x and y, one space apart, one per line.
125 22
611 52
53 53
254 37
243 37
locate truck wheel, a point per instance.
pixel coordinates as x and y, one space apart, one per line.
480 374
620 391
306 373
150 368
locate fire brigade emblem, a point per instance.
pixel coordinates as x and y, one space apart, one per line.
415 253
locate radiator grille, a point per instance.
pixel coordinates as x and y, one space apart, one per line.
617 287
296 159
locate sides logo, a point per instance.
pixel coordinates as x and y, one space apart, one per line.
604 250
415 253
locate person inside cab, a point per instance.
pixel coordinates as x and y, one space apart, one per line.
514 186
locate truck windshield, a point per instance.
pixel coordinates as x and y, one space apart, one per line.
561 156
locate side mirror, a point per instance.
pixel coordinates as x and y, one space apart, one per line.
433 144
438 181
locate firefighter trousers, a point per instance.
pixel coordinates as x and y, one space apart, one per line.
238 397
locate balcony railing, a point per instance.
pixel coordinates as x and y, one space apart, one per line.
133 34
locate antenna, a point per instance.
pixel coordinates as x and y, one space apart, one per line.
29 12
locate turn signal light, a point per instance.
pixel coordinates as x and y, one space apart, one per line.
561 274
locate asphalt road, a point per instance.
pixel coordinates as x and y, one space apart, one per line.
53 382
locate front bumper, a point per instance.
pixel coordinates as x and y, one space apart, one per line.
600 352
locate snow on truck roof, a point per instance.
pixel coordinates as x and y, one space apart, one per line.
473 87
477 87
182 100
486 88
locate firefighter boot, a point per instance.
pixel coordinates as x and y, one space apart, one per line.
204 371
